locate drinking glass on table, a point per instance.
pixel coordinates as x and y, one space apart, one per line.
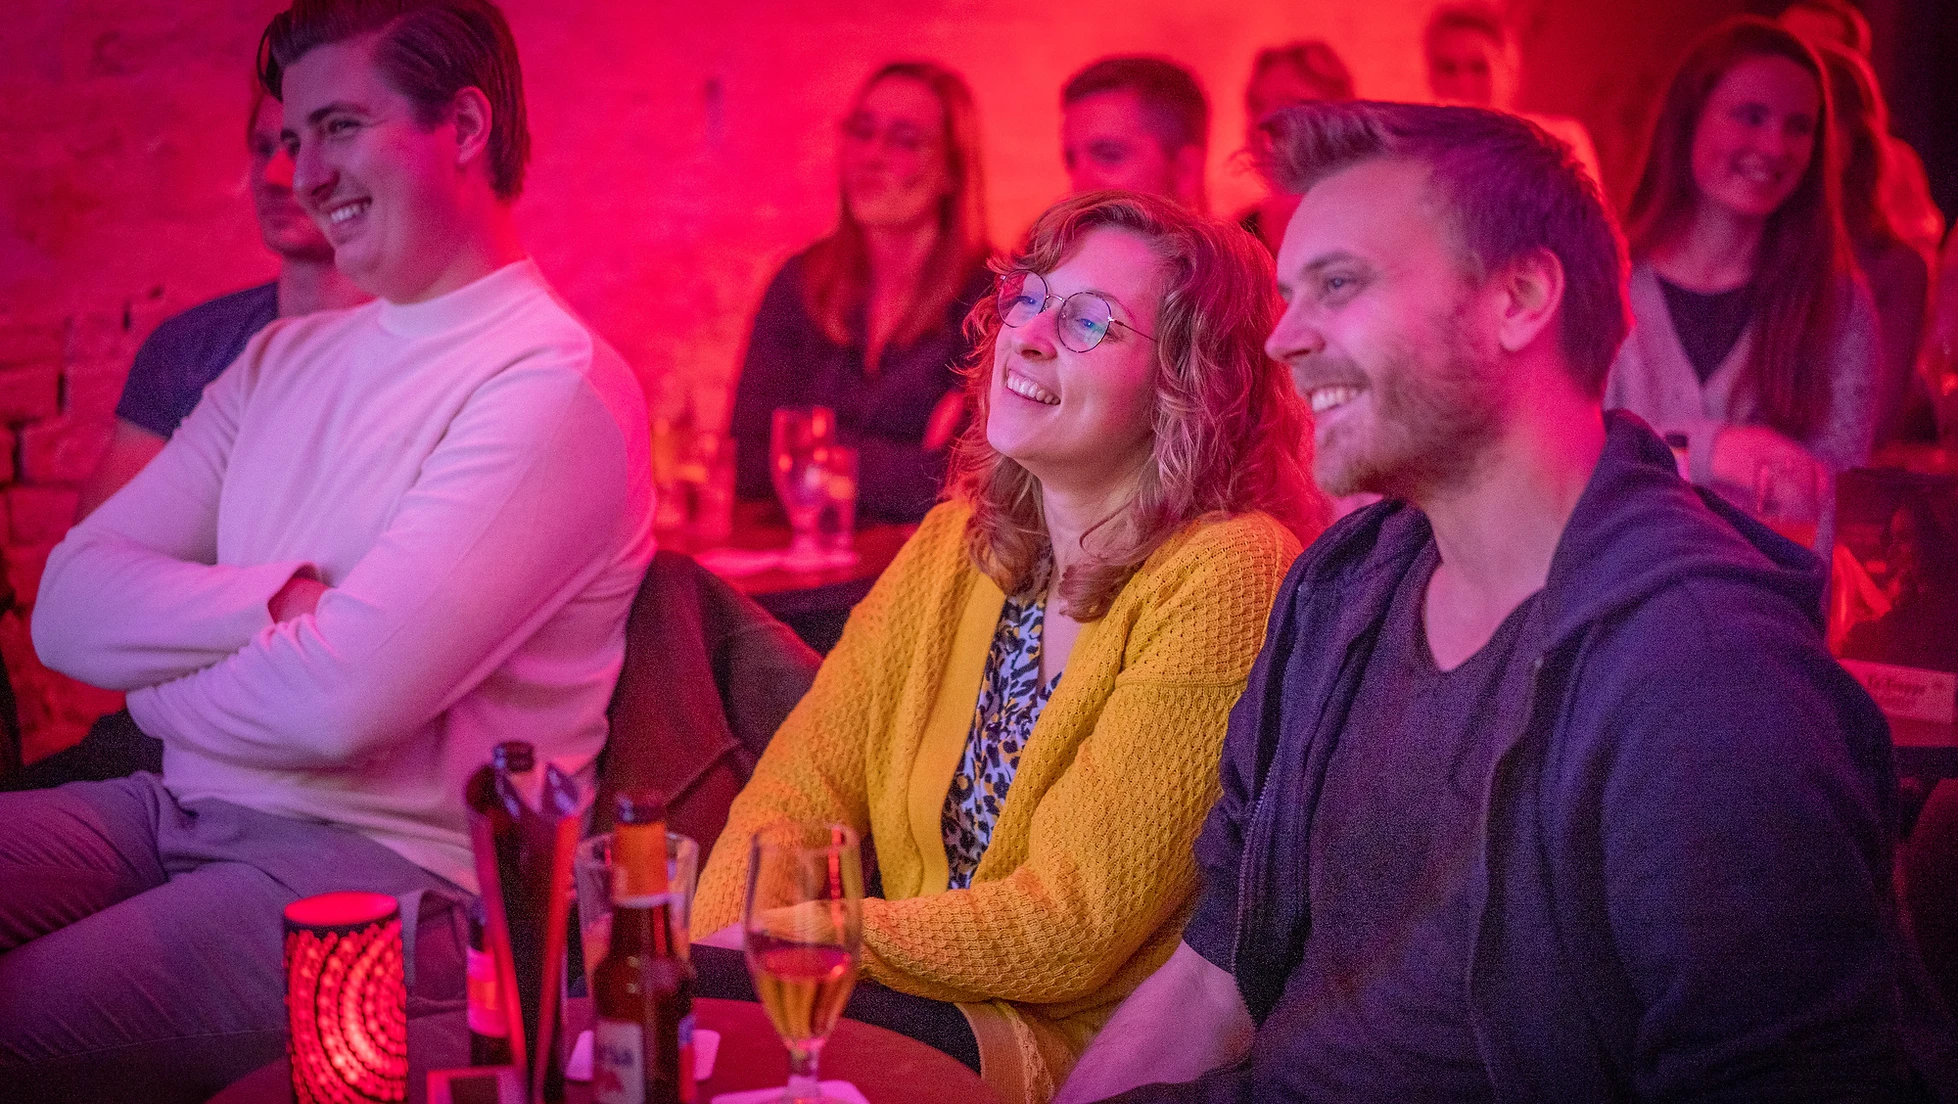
838 521
801 457
802 928
591 872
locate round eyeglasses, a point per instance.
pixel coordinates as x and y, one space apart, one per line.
1084 318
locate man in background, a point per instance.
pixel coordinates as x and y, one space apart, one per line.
178 360
1140 123
169 374
1474 61
188 350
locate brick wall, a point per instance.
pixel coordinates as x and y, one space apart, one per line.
682 152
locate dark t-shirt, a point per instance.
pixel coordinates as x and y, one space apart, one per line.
1708 325
189 350
1377 1008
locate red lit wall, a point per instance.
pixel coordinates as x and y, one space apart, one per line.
683 150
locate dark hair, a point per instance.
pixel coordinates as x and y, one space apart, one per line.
1865 122
1173 100
1229 433
1507 189
1855 25
1483 19
428 50
1803 269
1313 60
836 275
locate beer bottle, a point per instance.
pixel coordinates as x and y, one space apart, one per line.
489 1024
642 1047
519 784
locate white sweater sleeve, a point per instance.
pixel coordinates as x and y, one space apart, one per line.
133 595
525 500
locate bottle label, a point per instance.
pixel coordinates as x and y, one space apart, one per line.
486 1015
618 1063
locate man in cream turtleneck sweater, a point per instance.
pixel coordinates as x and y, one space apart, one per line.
387 538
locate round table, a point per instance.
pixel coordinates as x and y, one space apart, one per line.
887 1067
813 603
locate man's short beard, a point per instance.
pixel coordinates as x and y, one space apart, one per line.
1431 426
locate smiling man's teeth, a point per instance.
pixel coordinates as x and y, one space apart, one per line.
1027 389
342 214
1325 398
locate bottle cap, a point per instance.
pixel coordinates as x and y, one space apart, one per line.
640 807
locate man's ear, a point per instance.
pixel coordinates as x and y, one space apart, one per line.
471 115
1529 292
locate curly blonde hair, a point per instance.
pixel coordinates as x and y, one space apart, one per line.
1229 436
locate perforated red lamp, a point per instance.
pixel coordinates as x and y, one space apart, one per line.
346 999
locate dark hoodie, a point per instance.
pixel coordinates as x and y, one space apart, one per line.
1682 888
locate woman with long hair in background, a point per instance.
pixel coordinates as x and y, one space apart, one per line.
867 320
1754 346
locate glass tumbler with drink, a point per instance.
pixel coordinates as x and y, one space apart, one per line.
592 874
803 931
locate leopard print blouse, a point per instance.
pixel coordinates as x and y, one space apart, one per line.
1011 695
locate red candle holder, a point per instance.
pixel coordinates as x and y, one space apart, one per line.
346 999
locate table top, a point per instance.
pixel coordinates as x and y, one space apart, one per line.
760 525
889 1068
886 1067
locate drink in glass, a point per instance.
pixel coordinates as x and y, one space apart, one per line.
802 928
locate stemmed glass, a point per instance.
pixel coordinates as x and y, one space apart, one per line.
803 932
811 471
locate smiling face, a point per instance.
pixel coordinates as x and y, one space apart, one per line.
894 155
287 229
389 193
1107 143
1756 136
1466 66
1383 335
1082 420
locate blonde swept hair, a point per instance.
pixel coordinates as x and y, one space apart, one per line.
1229 435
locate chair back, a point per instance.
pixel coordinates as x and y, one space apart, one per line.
708 678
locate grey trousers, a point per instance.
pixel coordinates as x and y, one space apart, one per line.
141 940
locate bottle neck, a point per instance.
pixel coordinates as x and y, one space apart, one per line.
639 860
644 926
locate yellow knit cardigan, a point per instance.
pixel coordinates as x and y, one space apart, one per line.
1082 892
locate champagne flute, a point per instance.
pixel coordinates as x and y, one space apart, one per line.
803 932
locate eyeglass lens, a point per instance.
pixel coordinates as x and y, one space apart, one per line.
1083 321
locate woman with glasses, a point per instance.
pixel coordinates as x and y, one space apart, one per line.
1025 715
866 321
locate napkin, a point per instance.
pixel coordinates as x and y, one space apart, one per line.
841 1091
706 1044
